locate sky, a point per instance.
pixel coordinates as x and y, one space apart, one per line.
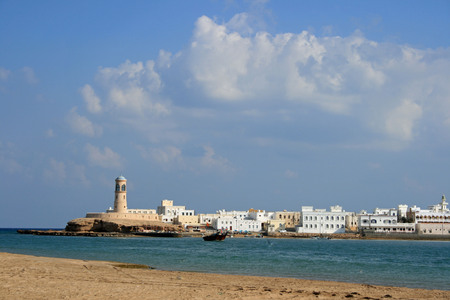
232 105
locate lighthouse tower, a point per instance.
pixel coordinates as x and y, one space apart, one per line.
120 200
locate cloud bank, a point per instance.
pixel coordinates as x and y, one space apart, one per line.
232 74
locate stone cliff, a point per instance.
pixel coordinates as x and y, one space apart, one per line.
118 225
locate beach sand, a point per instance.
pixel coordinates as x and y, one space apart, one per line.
32 277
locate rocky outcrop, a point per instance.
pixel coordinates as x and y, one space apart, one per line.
118 225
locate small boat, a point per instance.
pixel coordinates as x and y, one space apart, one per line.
218 236
152 233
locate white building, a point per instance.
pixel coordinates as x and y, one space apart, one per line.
241 221
383 223
207 219
434 220
168 211
320 221
385 211
135 210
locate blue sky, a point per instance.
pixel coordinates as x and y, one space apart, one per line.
222 105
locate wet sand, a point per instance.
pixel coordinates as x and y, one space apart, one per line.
33 277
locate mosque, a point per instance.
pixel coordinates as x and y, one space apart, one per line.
121 210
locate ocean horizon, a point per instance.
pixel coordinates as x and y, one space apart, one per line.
414 264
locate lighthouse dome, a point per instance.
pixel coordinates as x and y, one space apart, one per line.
121 178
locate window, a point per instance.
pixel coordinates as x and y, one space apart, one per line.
123 187
117 187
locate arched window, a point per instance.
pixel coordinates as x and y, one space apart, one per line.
117 187
124 187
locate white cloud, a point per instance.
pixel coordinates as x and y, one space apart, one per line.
218 59
8 161
167 157
106 158
4 73
290 174
212 161
227 69
82 125
65 172
30 76
50 133
56 171
401 120
91 99
133 87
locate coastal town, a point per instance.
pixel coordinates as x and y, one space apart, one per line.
402 220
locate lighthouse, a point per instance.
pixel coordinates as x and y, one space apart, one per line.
120 200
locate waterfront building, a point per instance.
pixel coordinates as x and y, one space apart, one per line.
383 223
321 221
434 220
252 220
290 218
135 210
402 212
206 219
351 222
236 224
121 210
275 226
167 211
385 211
238 214
185 220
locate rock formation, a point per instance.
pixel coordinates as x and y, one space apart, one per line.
118 225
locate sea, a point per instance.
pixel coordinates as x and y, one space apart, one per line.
414 264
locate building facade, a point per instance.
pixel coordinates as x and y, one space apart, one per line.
290 218
320 221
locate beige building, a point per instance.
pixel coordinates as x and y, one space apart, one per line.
276 226
290 218
434 220
186 220
121 210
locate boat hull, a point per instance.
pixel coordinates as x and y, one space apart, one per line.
215 237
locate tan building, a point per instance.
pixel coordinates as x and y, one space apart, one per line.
275 226
121 210
186 220
290 218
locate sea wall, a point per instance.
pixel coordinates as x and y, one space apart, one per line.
124 216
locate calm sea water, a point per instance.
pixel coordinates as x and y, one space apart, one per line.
416 264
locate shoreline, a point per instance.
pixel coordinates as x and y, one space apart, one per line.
289 235
35 277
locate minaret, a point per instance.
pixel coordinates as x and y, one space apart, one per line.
120 201
444 204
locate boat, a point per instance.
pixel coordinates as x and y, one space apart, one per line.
218 236
153 233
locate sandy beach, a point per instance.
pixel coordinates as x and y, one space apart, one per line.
32 277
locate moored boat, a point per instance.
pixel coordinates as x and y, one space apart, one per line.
152 233
218 236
